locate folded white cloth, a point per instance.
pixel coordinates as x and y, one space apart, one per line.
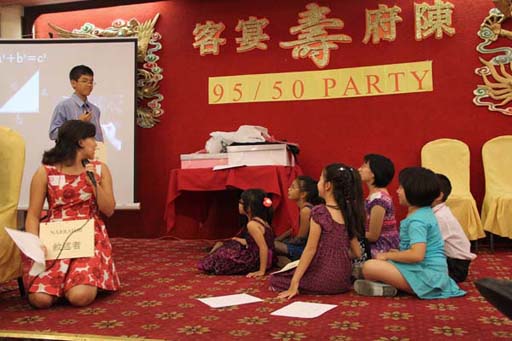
245 134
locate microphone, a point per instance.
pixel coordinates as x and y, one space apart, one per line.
90 174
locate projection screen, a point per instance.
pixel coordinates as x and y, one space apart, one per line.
34 77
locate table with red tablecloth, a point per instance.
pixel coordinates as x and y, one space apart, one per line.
272 179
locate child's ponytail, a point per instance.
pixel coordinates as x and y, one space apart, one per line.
348 194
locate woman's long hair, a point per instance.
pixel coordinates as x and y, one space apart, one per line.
348 194
67 144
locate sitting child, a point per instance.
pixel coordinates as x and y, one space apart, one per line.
304 192
456 245
381 231
325 265
251 252
419 267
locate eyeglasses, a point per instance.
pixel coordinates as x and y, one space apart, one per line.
86 82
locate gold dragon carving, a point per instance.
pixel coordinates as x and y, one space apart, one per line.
149 74
496 72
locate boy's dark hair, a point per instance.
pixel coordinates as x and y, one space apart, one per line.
382 168
252 200
78 71
308 185
348 194
66 146
420 185
444 185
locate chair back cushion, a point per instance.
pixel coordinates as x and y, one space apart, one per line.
497 160
12 159
451 158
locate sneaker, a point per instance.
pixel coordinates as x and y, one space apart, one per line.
368 288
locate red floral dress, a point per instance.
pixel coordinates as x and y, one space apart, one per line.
70 197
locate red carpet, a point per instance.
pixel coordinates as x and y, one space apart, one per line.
160 287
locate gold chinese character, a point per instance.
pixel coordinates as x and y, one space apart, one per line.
381 24
252 34
430 19
313 41
207 37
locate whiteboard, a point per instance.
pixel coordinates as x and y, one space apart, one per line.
34 77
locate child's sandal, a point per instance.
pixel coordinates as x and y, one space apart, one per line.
369 288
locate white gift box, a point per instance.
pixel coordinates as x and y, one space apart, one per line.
203 160
260 155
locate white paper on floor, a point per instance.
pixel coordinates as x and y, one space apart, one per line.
304 309
289 266
229 300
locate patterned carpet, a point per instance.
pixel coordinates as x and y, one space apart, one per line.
160 287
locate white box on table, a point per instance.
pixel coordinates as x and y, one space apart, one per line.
260 155
203 160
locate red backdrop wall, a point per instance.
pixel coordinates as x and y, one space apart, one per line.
327 130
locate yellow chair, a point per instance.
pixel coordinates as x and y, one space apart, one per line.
451 158
497 205
12 156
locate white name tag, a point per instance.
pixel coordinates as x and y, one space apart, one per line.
80 243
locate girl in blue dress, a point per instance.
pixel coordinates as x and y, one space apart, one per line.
419 267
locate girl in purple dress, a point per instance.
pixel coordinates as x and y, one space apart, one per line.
251 251
325 265
381 229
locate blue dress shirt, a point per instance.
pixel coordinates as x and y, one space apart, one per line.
70 109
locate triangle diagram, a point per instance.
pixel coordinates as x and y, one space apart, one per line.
26 99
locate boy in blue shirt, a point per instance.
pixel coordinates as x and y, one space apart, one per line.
77 107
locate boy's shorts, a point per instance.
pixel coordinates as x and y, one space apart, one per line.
458 268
